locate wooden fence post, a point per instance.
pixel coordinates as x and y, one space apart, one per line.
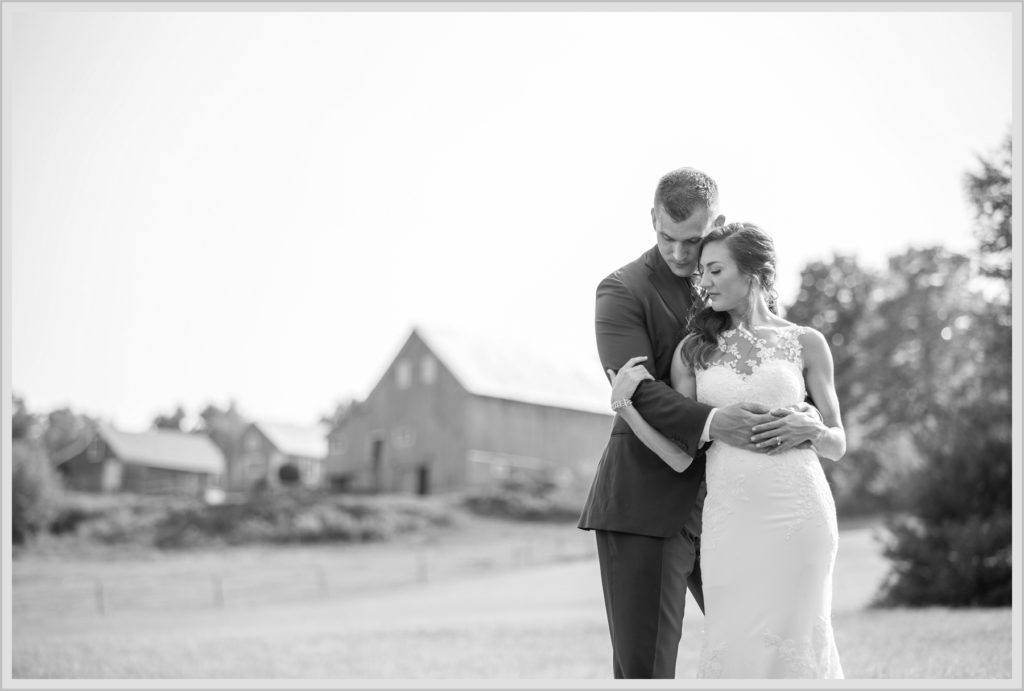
218 592
321 582
101 602
421 566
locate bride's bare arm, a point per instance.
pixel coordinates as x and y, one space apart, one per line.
831 440
623 385
683 379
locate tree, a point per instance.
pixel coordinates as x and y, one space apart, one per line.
171 422
990 194
35 487
950 387
65 433
24 424
342 410
835 298
924 310
225 428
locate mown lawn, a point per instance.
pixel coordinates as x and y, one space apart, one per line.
499 601
922 644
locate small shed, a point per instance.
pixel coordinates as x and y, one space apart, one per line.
156 461
267 447
455 410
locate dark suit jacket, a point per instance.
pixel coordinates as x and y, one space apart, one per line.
642 310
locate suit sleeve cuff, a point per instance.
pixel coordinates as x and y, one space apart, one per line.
705 436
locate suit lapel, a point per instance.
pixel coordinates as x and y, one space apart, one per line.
674 291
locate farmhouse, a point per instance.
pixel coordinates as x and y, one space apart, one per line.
453 411
269 447
156 461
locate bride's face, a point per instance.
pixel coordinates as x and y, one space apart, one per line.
720 277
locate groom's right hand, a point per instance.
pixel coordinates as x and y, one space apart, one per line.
732 424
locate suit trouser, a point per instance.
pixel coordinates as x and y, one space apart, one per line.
645 581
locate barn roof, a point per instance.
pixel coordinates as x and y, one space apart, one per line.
160 448
309 441
512 368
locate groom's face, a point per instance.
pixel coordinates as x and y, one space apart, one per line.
679 241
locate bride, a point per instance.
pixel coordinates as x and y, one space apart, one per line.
769 537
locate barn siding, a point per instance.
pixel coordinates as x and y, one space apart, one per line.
147 480
565 442
82 475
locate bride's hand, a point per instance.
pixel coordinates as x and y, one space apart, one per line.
790 429
629 376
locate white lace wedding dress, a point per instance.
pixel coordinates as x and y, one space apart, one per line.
769 540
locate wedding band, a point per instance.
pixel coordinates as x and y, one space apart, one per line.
778 441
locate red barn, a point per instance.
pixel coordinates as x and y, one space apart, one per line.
453 411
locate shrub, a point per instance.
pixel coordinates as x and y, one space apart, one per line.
957 563
288 474
953 546
116 518
300 515
35 491
293 516
526 500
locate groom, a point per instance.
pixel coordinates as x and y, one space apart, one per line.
646 517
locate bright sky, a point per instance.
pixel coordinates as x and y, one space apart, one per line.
260 205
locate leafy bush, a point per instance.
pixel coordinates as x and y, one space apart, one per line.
300 516
35 491
957 563
288 474
295 516
527 500
115 518
953 547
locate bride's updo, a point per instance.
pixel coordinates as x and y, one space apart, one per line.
754 253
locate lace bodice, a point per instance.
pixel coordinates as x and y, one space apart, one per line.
761 366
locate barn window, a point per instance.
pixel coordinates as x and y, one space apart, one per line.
255 467
311 471
403 374
428 369
252 442
403 437
95 451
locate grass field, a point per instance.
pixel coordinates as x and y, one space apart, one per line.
493 601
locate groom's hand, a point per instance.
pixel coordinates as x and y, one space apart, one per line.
732 424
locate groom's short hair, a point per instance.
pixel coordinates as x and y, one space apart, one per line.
684 191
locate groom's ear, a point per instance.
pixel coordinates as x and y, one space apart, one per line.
720 221
654 219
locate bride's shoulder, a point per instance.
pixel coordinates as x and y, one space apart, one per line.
807 336
812 341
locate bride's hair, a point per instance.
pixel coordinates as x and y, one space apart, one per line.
754 253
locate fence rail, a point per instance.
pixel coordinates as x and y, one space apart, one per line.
346 573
